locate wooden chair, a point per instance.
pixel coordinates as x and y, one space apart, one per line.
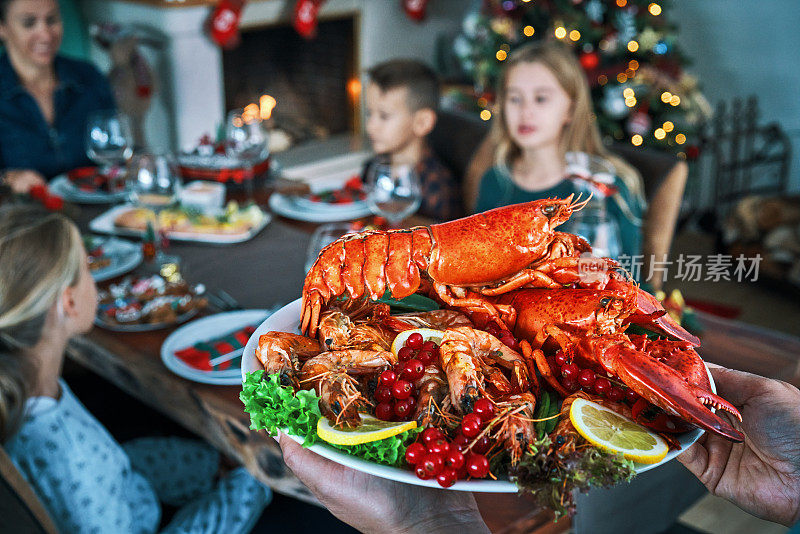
20 508
664 177
455 139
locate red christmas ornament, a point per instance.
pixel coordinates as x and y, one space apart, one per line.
692 152
589 60
415 9
305 16
223 24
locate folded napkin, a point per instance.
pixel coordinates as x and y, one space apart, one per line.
91 180
351 191
200 354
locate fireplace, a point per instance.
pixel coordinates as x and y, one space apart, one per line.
314 83
195 93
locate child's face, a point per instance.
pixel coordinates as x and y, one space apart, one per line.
536 107
390 122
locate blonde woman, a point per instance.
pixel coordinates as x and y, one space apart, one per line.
545 134
86 480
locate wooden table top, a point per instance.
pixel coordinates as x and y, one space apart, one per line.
266 271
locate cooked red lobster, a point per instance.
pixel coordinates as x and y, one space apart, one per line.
511 265
454 260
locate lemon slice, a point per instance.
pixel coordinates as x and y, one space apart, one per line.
371 429
428 334
607 429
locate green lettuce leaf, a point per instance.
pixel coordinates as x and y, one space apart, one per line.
274 407
388 451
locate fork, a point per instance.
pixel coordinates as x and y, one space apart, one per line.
223 301
232 303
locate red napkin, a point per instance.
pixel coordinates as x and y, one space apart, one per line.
200 354
89 179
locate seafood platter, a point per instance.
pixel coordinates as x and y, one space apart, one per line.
490 353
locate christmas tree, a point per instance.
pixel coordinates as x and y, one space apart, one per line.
627 47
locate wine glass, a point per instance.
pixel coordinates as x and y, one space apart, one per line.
589 167
154 184
246 141
393 191
594 224
323 236
109 143
593 176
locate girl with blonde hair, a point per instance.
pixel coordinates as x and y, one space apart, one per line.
548 144
85 479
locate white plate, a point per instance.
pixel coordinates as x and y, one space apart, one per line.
287 319
124 256
207 328
304 203
62 186
286 206
104 224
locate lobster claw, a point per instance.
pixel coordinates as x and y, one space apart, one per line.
663 386
651 314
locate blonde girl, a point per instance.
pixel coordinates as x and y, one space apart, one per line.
544 114
45 298
85 479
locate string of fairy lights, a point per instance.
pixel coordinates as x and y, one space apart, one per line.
665 131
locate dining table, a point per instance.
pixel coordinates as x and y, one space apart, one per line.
267 271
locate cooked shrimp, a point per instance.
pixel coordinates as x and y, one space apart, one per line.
466 355
459 364
436 319
515 424
282 352
337 331
565 437
331 375
432 387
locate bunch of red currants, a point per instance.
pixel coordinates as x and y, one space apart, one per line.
396 394
574 378
433 455
505 336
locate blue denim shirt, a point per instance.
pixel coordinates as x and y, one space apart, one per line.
27 141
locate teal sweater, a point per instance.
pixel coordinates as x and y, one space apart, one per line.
497 189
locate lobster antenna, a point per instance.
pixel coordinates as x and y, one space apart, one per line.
625 273
580 204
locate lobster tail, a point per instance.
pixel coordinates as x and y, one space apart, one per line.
365 264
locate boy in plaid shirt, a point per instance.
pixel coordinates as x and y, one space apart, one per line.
402 98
